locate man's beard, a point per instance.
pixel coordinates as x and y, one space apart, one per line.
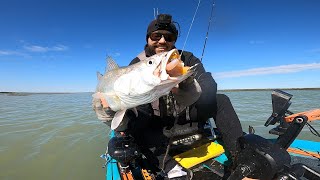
150 50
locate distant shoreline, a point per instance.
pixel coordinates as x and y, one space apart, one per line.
30 93
223 90
267 89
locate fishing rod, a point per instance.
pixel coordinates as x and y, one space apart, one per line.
155 12
207 34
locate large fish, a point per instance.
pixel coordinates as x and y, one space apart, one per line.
141 83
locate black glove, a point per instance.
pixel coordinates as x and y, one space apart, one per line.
188 93
187 82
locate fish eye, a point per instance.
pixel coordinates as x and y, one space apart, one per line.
150 62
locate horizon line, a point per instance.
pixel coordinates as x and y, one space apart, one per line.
244 89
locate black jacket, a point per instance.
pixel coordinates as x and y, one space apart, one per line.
206 105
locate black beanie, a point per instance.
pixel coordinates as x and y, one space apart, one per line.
163 22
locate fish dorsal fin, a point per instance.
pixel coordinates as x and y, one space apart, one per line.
111 64
99 76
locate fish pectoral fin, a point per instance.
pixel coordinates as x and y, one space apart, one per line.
117 119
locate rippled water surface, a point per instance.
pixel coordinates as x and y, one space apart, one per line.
255 107
57 136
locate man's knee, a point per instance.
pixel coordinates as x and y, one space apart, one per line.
222 98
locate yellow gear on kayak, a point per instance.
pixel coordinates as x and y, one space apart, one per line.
198 155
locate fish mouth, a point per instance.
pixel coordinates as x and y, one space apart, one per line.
172 66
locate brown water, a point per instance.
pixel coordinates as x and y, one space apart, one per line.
50 137
57 136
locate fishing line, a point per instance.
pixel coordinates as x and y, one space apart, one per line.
312 130
190 26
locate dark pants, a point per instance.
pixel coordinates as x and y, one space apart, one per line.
228 124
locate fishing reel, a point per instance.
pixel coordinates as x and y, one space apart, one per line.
124 150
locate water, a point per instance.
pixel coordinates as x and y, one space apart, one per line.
57 136
255 107
50 137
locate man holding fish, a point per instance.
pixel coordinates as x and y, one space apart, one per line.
162 93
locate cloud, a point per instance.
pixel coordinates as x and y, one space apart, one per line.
3 52
12 53
35 48
284 69
29 49
314 50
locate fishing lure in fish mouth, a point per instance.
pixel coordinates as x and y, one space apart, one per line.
175 66
141 83
172 66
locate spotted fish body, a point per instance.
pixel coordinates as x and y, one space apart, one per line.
141 83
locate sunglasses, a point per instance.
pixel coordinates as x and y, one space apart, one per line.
169 37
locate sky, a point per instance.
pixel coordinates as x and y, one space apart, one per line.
58 46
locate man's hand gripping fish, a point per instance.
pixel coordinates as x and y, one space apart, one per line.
144 82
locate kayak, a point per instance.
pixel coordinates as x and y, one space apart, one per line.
212 163
283 157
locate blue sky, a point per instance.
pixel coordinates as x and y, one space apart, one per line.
58 46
